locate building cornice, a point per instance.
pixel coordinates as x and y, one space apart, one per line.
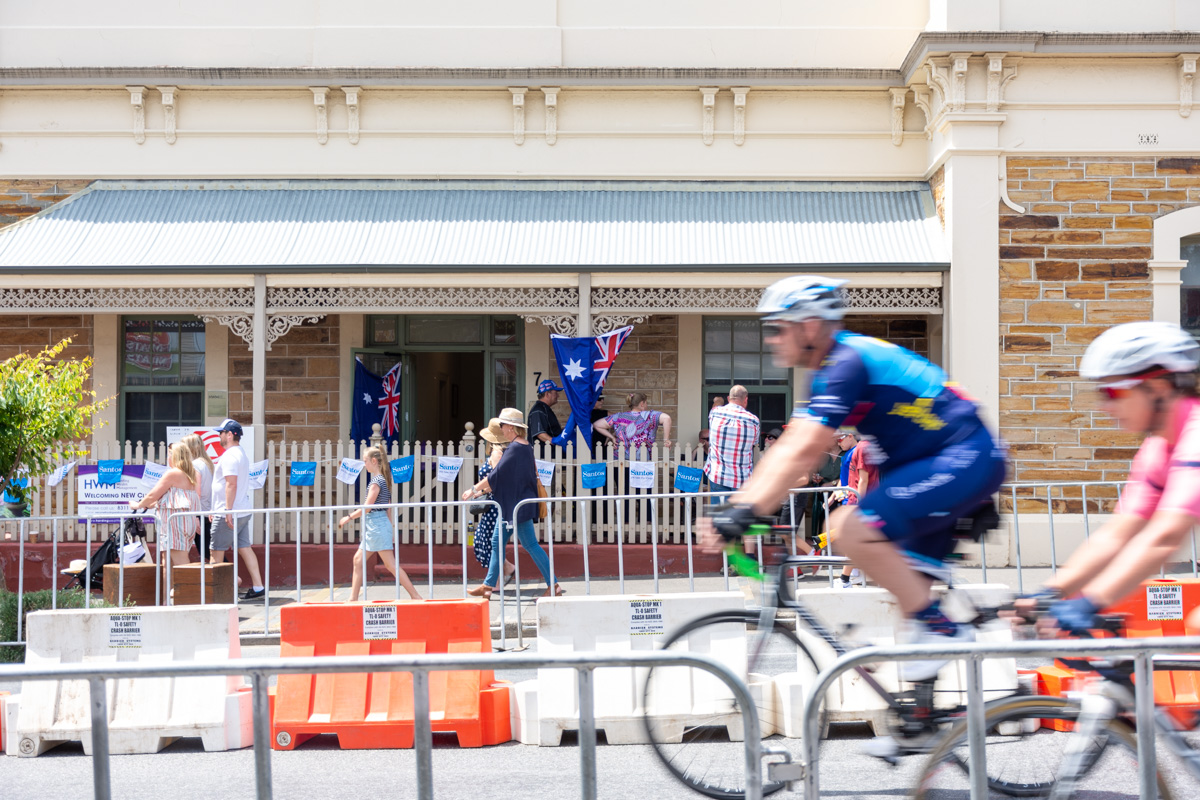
925 45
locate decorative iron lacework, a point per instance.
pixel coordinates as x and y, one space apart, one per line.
563 324
903 298
128 300
399 299
242 325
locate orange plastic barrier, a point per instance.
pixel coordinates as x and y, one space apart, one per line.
376 710
1056 681
1160 607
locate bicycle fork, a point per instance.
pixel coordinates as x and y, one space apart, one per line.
1096 711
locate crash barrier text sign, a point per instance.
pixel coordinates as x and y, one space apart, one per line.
646 617
379 622
125 629
1164 602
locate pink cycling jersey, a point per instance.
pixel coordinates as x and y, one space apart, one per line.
1166 477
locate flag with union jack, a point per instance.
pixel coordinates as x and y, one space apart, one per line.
584 363
376 401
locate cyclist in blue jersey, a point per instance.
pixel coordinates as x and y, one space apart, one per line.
938 462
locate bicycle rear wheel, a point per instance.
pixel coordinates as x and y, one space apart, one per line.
692 719
1023 758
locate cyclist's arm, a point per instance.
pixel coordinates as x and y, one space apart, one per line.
790 459
1122 554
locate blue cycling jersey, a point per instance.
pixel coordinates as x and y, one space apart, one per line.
896 397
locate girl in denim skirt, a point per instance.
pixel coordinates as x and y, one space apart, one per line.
377 525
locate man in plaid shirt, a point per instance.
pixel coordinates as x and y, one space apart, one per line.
733 432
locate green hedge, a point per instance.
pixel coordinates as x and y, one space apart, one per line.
34 601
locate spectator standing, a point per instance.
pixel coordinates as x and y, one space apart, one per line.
543 422
635 428
377 525
230 493
486 526
734 433
514 479
204 473
598 413
175 491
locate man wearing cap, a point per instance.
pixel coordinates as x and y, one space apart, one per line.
231 492
543 422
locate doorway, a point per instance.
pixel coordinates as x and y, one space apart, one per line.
447 392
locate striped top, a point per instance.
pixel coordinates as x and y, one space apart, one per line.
385 491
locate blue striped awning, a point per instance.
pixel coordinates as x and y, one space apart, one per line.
344 225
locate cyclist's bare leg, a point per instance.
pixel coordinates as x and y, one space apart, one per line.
881 560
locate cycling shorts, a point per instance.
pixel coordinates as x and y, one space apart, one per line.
916 504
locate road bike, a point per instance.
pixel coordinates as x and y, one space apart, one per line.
1097 759
695 725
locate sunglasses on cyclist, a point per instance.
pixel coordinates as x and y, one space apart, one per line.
1118 389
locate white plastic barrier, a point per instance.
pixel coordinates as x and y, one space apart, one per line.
870 615
145 714
543 708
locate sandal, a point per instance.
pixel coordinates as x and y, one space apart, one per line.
482 590
555 591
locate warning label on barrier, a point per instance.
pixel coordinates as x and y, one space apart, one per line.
1164 601
379 622
125 629
645 617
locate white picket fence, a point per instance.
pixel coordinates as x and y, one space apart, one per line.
567 524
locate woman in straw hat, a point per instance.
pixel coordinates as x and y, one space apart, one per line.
514 479
487 521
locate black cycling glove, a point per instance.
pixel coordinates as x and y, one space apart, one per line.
731 521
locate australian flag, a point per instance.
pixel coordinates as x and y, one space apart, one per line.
376 400
583 366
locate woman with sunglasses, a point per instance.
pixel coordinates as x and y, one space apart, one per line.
1147 381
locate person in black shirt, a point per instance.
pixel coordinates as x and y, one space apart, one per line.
598 412
543 422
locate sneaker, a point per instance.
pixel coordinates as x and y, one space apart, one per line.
920 633
254 594
838 583
857 578
883 747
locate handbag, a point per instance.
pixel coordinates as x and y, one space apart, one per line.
476 509
543 508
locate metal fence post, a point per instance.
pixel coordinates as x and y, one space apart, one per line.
1143 702
101 779
587 732
422 734
976 732
262 736
1017 536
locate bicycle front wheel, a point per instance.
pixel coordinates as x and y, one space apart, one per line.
693 720
1023 758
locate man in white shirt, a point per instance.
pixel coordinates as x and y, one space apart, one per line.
231 492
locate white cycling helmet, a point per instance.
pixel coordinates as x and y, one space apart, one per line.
1135 347
802 297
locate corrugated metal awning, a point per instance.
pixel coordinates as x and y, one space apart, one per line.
334 225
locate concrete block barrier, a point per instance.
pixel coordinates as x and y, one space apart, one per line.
145 714
619 624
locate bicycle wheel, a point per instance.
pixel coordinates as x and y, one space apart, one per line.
692 718
1023 758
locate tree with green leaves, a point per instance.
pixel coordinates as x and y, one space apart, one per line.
45 410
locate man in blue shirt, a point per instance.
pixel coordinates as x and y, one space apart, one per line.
938 462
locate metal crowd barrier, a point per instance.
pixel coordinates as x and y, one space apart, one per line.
259 670
1143 651
268 514
1035 489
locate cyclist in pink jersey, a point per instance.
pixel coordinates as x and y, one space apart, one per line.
1147 377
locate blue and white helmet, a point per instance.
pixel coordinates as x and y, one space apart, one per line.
802 297
1138 346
